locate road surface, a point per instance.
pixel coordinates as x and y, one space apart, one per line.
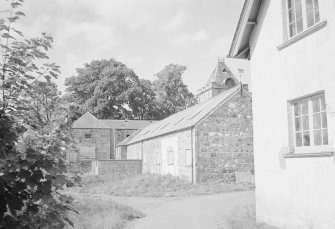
193 212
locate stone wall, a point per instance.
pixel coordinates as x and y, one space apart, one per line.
117 167
100 139
224 141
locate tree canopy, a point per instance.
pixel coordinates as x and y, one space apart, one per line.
171 93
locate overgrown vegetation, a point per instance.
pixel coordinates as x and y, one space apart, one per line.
149 185
34 131
102 214
245 218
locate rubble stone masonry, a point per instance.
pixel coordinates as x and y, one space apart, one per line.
224 141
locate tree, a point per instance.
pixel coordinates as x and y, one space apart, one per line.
42 103
32 158
99 87
171 93
141 100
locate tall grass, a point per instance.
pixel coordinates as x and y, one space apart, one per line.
150 185
102 214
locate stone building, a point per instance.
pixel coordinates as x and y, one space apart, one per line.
95 138
209 141
291 47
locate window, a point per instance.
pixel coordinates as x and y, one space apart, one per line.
302 14
188 157
88 136
310 122
170 156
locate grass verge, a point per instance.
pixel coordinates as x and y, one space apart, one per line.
245 218
150 185
95 213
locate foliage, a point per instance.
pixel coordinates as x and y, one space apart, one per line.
172 94
32 140
102 214
99 87
141 100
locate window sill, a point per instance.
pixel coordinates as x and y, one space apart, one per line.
309 155
302 35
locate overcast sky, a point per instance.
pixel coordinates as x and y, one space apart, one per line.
146 35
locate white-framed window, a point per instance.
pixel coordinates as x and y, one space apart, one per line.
302 14
310 128
170 156
188 157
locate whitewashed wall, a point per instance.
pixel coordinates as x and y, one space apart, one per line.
299 192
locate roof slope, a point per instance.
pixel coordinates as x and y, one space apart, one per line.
186 118
248 19
220 74
89 121
125 141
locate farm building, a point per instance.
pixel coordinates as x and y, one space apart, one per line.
95 138
291 47
209 141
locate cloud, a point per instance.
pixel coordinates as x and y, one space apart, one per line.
199 36
176 22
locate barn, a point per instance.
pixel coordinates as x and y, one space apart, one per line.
210 141
96 139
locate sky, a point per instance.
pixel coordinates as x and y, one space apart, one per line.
146 35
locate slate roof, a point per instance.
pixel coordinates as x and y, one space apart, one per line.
125 141
89 121
186 118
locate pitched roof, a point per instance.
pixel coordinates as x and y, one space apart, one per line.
220 74
89 121
240 45
125 141
186 118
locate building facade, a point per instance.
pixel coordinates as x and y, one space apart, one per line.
292 49
96 139
206 142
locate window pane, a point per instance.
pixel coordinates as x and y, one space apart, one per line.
306 139
298 11
292 29
304 108
323 103
297 109
316 105
289 3
317 14
316 3
309 5
317 137
310 18
298 124
305 122
298 139
317 121
291 16
300 26
324 120
325 136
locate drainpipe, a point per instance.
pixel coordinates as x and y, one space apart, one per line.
114 147
194 180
